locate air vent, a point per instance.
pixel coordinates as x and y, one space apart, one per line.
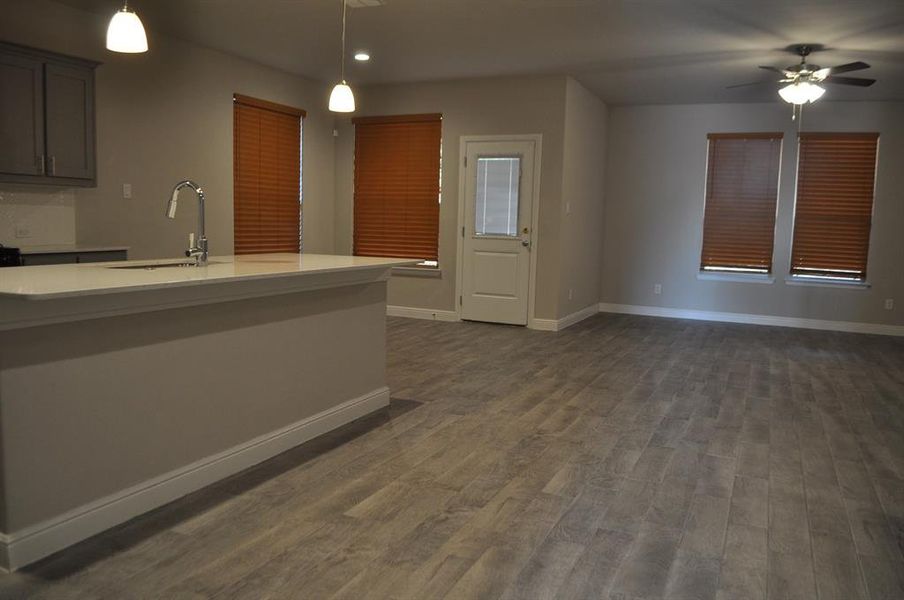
364 3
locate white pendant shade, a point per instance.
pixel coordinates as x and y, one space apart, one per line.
801 92
126 33
342 99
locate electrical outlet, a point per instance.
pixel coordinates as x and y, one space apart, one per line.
657 288
22 231
570 293
889 304
126 191
568 208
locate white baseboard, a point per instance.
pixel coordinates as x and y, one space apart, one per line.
577 317
449 315
730 317
543 324
33 543
566 321
673 313
422 313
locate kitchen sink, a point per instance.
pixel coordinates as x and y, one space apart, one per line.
154 267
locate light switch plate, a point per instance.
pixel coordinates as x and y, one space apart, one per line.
126 191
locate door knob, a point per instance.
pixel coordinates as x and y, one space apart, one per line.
525 243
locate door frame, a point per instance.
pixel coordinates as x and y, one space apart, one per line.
463 141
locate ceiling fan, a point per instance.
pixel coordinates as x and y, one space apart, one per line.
804 80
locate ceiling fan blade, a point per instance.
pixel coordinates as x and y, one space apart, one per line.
858 81
845 68
752 83
774 70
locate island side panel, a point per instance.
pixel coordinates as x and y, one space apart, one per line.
95 407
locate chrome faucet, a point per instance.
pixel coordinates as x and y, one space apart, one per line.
199 250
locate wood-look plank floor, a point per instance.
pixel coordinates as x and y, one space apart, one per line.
623 458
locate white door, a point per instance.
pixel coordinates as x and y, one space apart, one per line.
499 179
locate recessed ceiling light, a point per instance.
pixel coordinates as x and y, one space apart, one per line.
362 56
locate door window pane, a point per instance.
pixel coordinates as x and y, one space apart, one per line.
496 200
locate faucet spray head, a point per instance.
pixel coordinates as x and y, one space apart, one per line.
171 205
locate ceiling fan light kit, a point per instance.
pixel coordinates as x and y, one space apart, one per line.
801 92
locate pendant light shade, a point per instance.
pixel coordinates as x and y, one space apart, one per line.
342 99
126 33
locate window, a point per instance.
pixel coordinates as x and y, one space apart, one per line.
397 166
741 191
267 176
833 213
497 195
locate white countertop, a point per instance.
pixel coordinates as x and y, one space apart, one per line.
68 249
91 279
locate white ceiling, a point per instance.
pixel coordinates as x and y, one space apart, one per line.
626 51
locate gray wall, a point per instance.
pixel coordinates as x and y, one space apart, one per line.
580 259
654 211
165 116
472 107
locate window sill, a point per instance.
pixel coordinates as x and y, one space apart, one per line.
735 277
417 271
827 282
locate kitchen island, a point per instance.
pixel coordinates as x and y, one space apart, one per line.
126 385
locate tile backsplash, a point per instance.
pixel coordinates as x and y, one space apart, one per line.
35 217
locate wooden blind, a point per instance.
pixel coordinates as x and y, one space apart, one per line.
267 175
397 163
741 192
833 214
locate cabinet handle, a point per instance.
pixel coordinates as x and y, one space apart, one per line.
41 166
53 165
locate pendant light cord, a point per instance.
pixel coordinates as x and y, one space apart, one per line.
342 53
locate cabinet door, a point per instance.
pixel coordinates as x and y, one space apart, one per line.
69 121
21 115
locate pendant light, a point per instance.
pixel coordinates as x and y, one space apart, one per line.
126 33
342 99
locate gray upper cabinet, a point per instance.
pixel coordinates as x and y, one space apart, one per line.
69 123
21 114
46 118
